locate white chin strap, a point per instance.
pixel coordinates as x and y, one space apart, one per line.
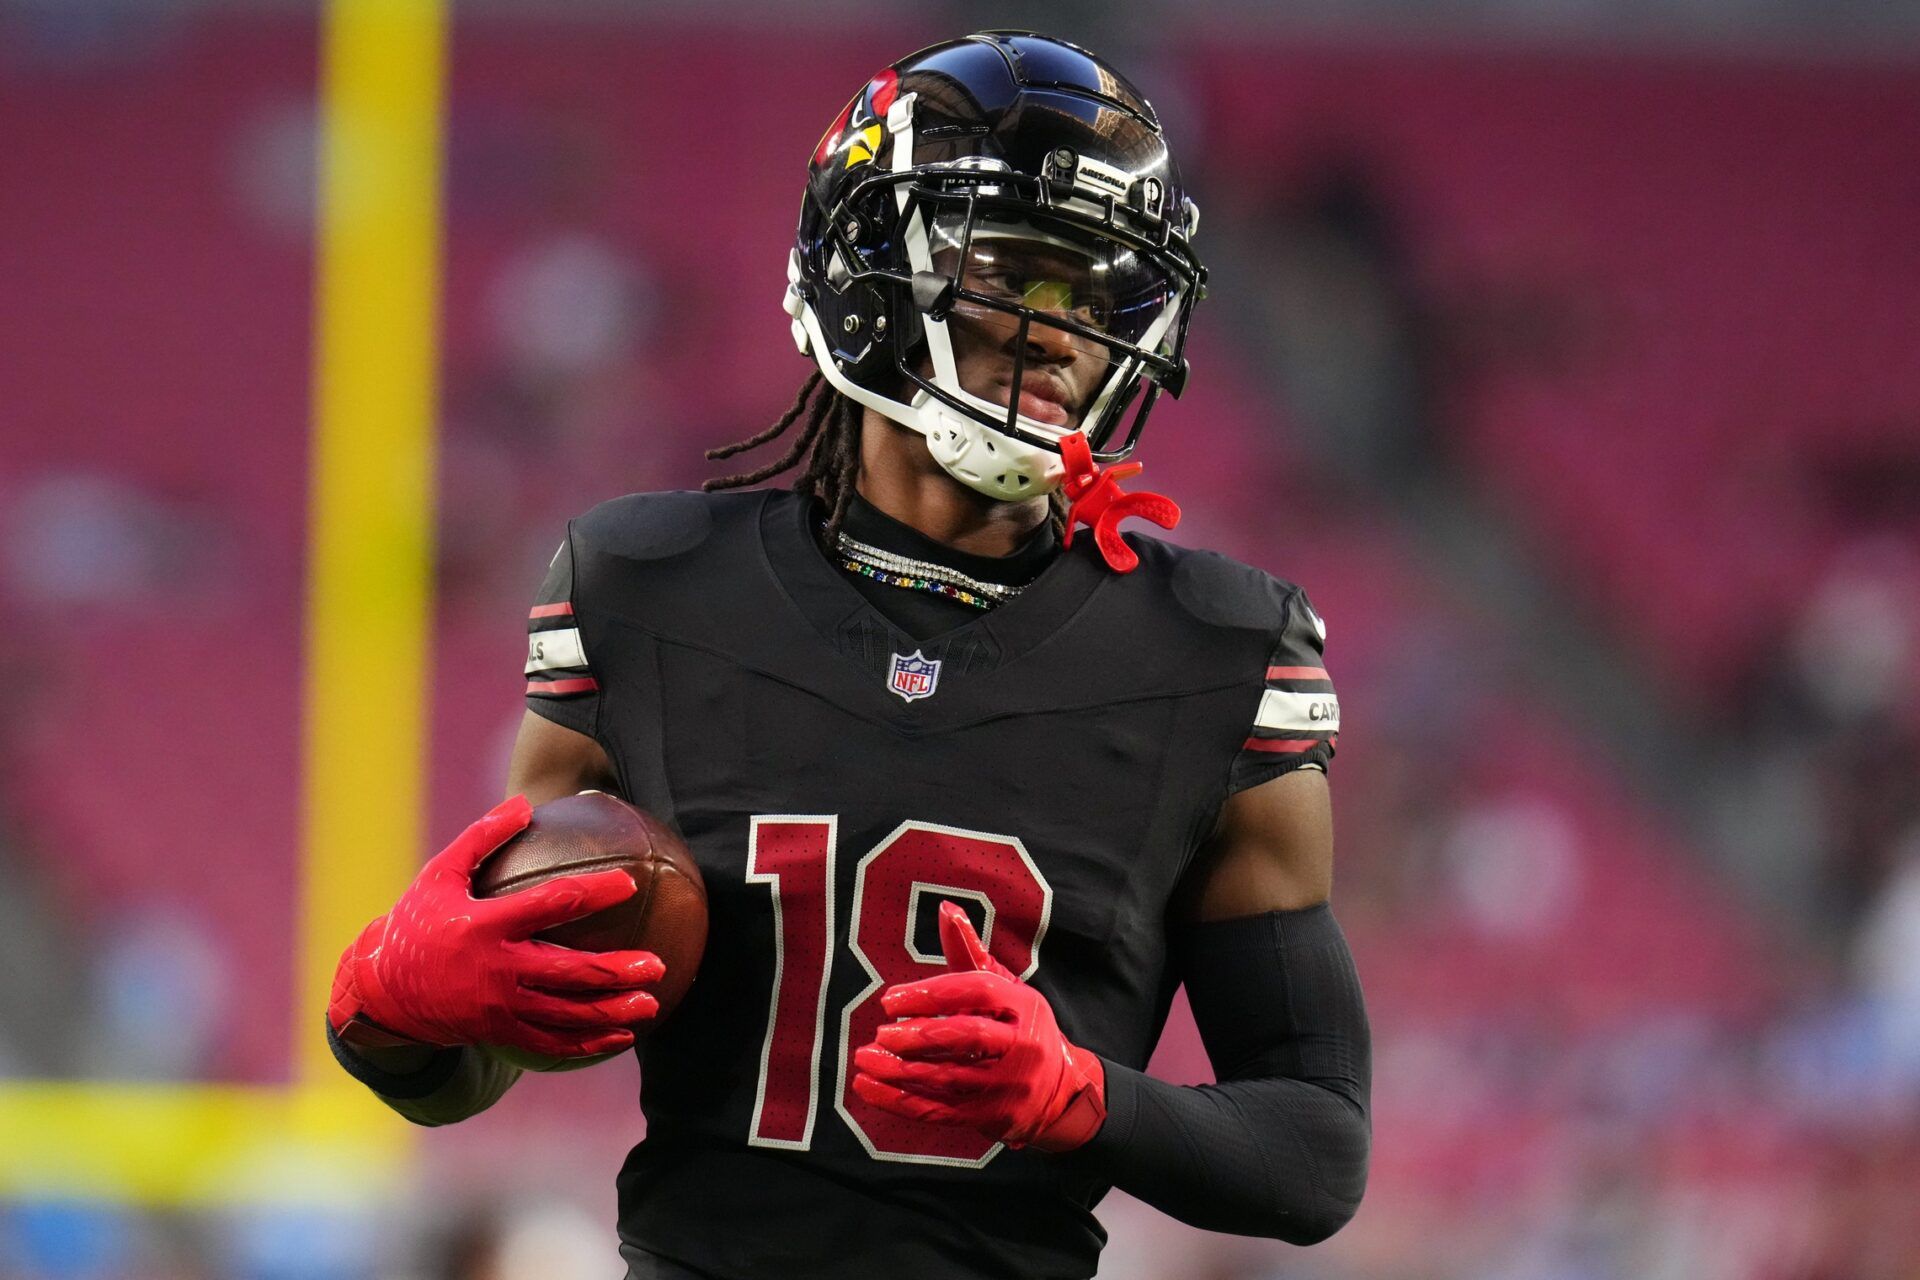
981 458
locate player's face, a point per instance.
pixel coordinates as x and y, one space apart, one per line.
1061 372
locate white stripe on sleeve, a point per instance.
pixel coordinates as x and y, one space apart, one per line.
555 650
1298 712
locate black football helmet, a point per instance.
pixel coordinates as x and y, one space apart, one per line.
1015 192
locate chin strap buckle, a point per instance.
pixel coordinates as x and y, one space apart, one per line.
1094 497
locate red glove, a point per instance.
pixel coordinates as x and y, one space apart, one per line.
446 968
977 1047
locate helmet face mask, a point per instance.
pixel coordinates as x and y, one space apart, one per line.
1026 276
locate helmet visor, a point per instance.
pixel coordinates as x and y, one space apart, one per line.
1044 313
1055 269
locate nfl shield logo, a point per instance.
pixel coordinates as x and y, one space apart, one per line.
913 675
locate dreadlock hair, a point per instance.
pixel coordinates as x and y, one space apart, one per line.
829 441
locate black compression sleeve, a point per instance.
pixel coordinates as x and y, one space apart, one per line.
417 1084
1279 1146
456 1083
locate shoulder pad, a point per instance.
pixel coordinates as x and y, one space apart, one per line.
1223 592
648 526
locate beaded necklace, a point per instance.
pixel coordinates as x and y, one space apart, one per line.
920 575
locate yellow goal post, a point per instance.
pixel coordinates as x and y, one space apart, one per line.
370 564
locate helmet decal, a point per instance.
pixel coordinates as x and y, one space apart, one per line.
864 117
862 151
881 90
831 138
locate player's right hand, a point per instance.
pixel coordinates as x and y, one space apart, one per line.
446 968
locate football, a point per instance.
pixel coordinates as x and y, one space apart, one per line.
594 831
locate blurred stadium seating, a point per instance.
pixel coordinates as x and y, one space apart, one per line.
1655 312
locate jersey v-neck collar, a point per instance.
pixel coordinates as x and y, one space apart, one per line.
869 524
843 616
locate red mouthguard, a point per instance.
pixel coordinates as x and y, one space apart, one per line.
1094 497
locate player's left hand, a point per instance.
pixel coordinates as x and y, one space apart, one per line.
978 1048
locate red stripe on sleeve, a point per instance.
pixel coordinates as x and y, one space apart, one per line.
1289 745
565 608
585 684
1296 673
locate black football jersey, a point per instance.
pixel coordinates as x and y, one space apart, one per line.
1052 766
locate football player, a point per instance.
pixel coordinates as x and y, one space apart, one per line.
972 795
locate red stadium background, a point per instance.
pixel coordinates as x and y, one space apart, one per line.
1578 379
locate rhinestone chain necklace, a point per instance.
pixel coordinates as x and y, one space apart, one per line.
920 575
